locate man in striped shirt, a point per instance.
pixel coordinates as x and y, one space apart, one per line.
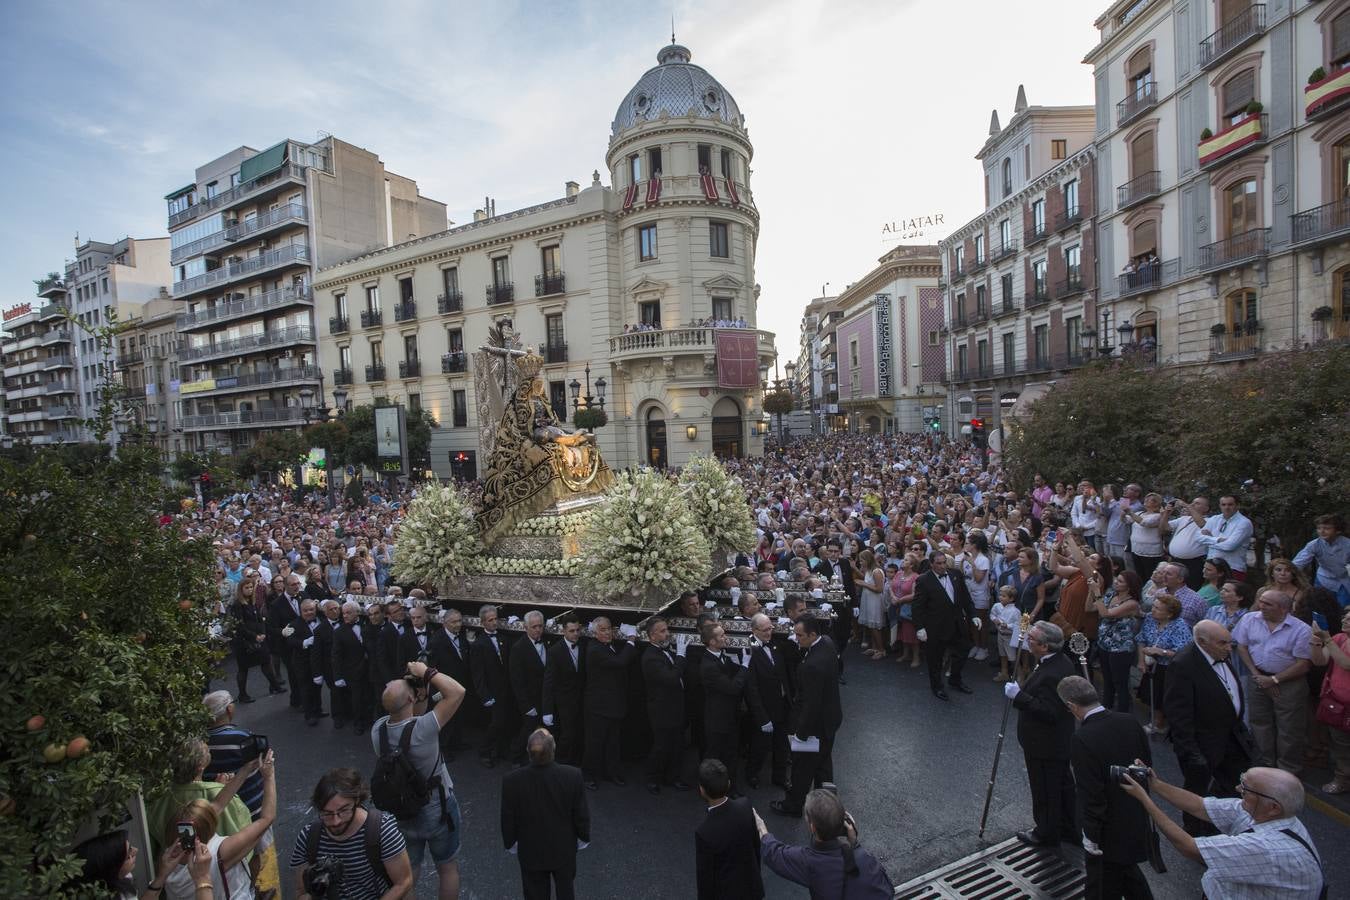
232 748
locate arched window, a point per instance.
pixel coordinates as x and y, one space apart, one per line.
1144 240
1007 177
1143 158
1139 75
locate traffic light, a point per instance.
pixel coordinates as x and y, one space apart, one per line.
977 436
937 425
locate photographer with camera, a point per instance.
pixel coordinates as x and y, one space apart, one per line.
1116 837
411 782
834 867
233 748
1262 849
350 852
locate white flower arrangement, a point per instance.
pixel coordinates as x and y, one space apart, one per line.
541 526
643 536
513 565
437 538
719 502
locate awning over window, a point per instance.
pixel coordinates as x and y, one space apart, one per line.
180 192
269 160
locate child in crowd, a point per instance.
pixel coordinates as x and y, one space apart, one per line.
1007 616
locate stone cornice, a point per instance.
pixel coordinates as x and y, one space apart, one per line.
693 200
883 275
994 213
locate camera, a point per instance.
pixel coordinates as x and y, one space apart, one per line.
256 747
1138 773
324 878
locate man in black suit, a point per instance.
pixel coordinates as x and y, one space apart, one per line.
693 683
1116 836
493 686
301 643
414 644
832 562
351 666
726 843
723 680
816 713
606 699
322 654
944 617
1045 730
767 694
450 654
564 678
395 624
526 668
1204 704
545 820
663 667
284 612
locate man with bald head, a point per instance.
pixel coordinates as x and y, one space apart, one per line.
1274 646
768 695
1260 849
1205 703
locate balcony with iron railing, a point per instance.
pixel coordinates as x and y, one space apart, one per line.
410 368
498 294
59 387
54 336
288 173
555 353
372 318
283 215
375 372
280 337
959 319
1328 95
1138 189
549 283
1069 218
454 363
126 360
342 376
1238 250
1006 308
450 303
1233 35
959 271
51 287
1251 131
980 262
1323 224
1003 251
290 254
1071 285
405 311
1036 233
1039 296
1139 100
278 298
247 418
339 325
1331 329
52 311
1148 277
1242 341
57 362
226 383
980 316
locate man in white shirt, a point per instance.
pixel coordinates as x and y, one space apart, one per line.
1185 546
1228 535
1084 512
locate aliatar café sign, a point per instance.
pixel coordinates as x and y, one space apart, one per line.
911 229
15 311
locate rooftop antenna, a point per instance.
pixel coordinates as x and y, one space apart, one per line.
672 26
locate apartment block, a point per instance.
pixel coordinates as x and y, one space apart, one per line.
37 353
246 235
147 353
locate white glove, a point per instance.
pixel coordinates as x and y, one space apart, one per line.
1091 847
745 659
767 728
489 702
531 712
855 612
318 679
770 605
825 607
977 623
340 683
922 634
582 845
1011 689
511 849
307 643
511 620
709 604
287 631
784 620
817 593
548 720
681 644
628 631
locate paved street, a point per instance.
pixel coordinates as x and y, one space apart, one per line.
912 770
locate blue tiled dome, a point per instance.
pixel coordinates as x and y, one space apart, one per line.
677 87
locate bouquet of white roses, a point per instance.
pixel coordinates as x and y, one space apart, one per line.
643 536
512 565
719 502
437 537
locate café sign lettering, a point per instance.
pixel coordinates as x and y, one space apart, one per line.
909 229
15 311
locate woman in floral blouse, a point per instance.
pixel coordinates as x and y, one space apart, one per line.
1119 612
1163 633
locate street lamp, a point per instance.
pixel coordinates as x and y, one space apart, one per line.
1087 338
588 400
1105 339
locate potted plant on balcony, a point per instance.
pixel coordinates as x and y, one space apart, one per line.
1206 134
1218 328
1321 314
1254 108
1317 75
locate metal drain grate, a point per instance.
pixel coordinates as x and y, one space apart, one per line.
1003 872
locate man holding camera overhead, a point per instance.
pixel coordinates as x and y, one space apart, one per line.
1116 837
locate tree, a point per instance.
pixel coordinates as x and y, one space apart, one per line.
360 445
1107 422
275 452
778 403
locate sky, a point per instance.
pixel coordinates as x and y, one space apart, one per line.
860 113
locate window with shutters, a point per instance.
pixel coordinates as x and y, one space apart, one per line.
1231 9
1338 32
1006 290
1242 207
1139 74
1242 315
1341 175
1143 159
1237 92
1059 148
1144 240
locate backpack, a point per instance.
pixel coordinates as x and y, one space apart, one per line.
396 786
374 819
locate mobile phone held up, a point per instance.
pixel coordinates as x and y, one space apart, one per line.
187 836
1052 536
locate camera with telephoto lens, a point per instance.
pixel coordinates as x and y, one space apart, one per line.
324 878
1139 774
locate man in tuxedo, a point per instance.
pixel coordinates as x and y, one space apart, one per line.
545 819
1045 730
301 643
945 619
693 682
1116 836
663 666
351 666
414 644
606 699
723 680
526 668
832 562
564 677
323 650
492 683
726 842
450 654
1204 703
767 694
285 611
816 713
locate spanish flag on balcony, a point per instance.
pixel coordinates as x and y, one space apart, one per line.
630 196
1234 137
709 186
731 192
653 189
1328 90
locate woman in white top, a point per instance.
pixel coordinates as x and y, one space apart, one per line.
975 565
1146 544
871 603
230 878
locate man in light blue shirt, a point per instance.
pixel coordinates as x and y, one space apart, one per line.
1331 550
1228 535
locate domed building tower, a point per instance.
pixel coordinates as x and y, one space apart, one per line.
687 357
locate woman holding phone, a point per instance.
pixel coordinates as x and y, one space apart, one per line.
197 822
